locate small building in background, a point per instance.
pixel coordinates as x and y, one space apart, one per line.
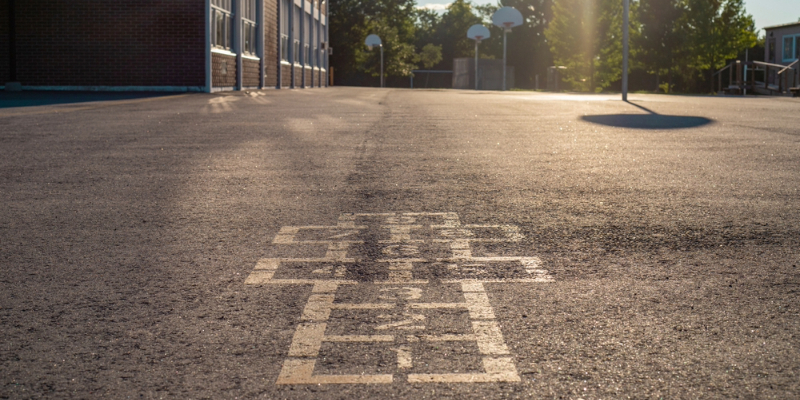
490 74
783 43
783 47
163 45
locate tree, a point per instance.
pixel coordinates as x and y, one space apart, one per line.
392 20
572 38
716 31
660 37
451 32
430 55
528 49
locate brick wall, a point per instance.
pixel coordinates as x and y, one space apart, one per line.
223 70
286 78
298 77
250 73
111 42
271 39
4 61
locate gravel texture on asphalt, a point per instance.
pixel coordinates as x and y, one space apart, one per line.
670 226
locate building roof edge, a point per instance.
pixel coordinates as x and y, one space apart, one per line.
782 25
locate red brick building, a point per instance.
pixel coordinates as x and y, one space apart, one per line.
163 45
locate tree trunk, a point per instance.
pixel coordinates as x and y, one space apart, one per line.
669 83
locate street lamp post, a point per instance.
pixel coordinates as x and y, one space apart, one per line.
372 41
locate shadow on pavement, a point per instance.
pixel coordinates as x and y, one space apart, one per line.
647 121
46 98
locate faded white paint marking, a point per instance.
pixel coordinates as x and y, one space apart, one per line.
359 338
404 357
404 293
501 369
438 305
449 338
307 340
405 324
337 251
489 338
461 249
401 250
300 372
286 235
401 233
362 306
478 305
269 264
259 277
325 287
408 234
318 307
469 287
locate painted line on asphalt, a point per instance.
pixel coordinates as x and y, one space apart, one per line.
401 318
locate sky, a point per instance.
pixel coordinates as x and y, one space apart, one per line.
765 12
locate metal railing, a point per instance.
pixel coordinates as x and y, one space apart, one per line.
742 76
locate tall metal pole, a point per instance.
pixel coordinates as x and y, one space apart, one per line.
328 45
303 41
476 64
292 56
12 41
381 65
505 36
625 50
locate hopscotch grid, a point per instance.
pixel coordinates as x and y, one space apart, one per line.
310 334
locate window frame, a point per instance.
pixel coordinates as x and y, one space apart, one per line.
249 28
794 51
284 33
227 17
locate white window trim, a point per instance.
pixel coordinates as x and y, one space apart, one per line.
222 51
251 57
213 22
255 38
795 44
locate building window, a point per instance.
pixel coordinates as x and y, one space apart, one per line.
309 40
791 48
318 26
298 12
285 4
222 25
249 36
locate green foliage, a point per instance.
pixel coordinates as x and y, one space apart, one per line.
430 55
692 38
449 31
716 31
574 36
393 20
660 37
528 50
684 41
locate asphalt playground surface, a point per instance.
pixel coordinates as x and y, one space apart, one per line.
355 243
